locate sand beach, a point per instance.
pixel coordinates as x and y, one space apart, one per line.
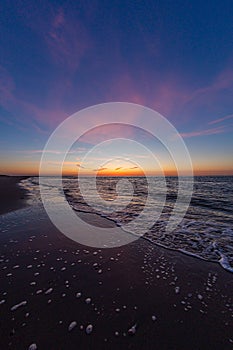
57 294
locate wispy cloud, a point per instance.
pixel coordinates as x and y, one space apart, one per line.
212 131
215 121
40 151
123 88
100 169
169 96
80 166
7 85
208 93
61 31
66 163
107 132
30 114
67 40
81 150
172 96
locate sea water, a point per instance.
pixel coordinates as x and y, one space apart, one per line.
206 230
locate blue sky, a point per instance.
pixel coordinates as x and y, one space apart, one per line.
59 57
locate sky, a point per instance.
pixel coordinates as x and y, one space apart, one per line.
58 57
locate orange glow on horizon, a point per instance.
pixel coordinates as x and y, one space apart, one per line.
32 169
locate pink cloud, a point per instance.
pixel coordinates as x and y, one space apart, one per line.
106 132
170 96
6 85
59 18
67 40
223 80
215 121
123 89
64 35
40 151
10 101
206 132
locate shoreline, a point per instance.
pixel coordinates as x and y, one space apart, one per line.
18 199
175 301
90 215
142 296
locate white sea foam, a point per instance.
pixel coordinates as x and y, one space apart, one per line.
224 262
205 232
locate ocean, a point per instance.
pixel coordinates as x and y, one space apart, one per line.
206 230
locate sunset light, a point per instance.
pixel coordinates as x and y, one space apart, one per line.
116 175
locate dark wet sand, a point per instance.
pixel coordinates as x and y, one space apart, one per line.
191 299
12 196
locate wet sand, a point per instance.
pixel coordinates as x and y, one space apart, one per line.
138 296
12 196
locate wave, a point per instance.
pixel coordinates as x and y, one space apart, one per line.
205 231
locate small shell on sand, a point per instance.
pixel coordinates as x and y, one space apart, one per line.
15 307
32 347
72 326
48 291
132 330
89 329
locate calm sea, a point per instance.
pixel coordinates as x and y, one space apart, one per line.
206 230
